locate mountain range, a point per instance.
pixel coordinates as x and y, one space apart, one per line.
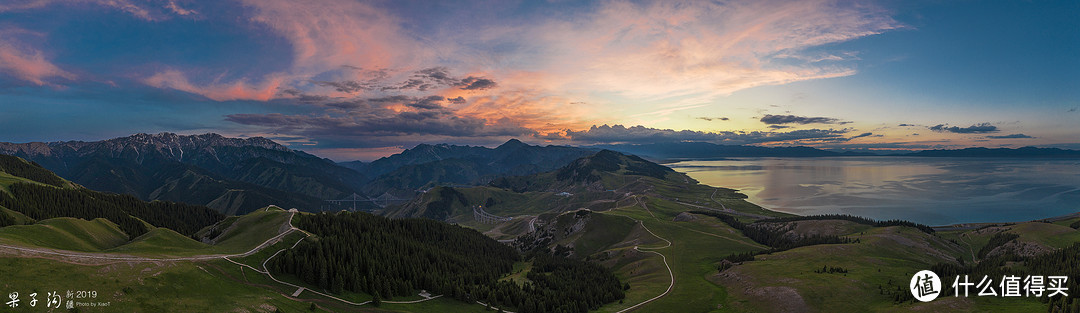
705 150
235 175
1025 152
231 175
426 166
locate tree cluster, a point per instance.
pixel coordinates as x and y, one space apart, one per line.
43 202
857 219
21 168
999 239
561 284
773 235
1062 262
825 269
6 220
360 252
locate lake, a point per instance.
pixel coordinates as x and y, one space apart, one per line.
934 191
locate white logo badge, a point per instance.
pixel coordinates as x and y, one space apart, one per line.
925 286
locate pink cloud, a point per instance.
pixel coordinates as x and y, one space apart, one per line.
644 61
664 49
172 6
132 8
327 35
28 64
237 90
16 5
328 38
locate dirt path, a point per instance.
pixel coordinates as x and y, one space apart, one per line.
713 198
96 256
285 229
725 210
649 250
663 258
973 259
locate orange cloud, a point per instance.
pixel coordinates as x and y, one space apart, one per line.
542 113
238 90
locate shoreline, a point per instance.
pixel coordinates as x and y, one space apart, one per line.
946 227
938 209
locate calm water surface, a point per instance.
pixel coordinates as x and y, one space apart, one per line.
933 191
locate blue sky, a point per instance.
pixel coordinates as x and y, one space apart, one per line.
362 79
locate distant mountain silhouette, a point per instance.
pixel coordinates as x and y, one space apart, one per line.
1025 152
231 175
705 150
586 172
425 165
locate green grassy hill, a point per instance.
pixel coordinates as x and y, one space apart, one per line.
10 217
161 242
637 223
250 230
241 234
15 167
878 260
66 233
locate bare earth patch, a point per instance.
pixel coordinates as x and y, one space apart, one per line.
774 298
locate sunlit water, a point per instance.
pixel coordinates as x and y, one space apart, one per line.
935 191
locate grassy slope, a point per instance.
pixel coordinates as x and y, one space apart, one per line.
884 257
214 286
7 180
251 230
1056 236
20 219
161 242
66 233
147 287
101 235
696 246
883 254
610 237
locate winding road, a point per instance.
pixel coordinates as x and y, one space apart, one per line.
89 255
207 257
671 274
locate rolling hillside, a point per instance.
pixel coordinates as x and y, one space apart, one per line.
34 200
659 233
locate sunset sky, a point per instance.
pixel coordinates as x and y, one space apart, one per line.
353 80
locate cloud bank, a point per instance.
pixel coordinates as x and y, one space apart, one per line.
973 129
641 134
792 119
1012 136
